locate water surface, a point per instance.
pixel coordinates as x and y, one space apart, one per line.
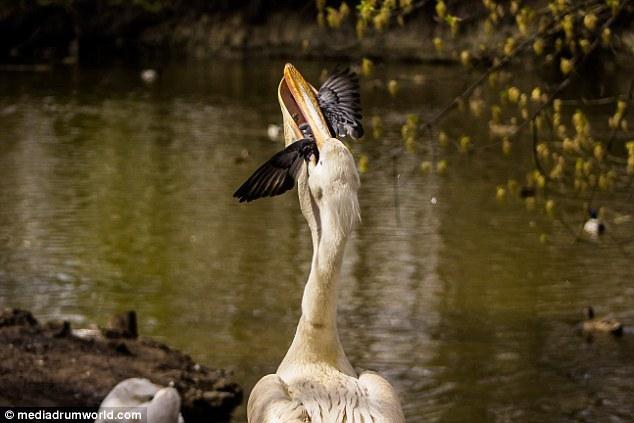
115 196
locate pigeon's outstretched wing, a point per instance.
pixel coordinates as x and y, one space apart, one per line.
279 173
339 100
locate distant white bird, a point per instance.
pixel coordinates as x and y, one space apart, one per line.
162 404
87 333
593 226
274 131
149 75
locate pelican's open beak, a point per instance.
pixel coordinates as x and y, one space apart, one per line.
299 105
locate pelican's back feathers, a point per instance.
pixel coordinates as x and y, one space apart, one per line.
320 395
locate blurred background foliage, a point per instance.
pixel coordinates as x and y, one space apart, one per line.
574 46
54 30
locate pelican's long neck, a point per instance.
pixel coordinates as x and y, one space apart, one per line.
316 339
319 303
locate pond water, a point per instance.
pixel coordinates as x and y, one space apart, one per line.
115 195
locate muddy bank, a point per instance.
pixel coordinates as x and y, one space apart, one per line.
52 364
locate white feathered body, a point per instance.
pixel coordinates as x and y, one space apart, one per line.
315 382
161 404
594 227
324 396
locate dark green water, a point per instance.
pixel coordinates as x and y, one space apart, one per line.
115 196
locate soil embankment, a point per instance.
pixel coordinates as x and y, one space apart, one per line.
52 365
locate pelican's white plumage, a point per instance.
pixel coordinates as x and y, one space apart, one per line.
162 404
315 381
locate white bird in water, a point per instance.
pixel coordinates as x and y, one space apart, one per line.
149 75
593 226
162 404
273 131
315 381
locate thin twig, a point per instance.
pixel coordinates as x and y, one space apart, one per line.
611 138
603 101
395 178
538 164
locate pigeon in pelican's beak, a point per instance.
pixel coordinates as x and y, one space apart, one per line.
310 118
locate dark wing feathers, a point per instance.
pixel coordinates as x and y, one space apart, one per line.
279 173
339 100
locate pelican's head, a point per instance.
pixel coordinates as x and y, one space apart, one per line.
165 407
299 106
132 392
162 404
333 180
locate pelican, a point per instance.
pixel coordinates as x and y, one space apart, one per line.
162 404
315 382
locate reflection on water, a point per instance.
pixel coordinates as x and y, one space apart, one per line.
116 196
